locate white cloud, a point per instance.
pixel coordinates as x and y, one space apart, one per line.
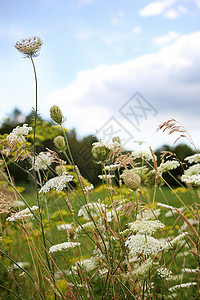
166 39
137 29
156 8
171 14
198 3
169 79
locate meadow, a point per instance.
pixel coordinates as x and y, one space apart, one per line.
131 237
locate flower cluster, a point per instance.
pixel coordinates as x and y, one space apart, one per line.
63 246
145 226
57 183
168 166
42 161
143 244
143 154
29 47
93 209
18 134
193 158
22 214
164 273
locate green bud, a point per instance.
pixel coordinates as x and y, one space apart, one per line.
59 142
56 114
131 179
153 179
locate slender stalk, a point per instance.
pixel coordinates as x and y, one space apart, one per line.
36 105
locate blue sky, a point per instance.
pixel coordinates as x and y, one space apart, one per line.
97 55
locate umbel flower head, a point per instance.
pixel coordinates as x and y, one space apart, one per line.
56 114
131 179
29 47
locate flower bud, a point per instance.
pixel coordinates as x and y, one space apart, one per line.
153 179
56 114
131 179
59 142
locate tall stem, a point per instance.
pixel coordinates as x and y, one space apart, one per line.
36 106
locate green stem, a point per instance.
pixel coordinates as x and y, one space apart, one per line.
36 105
3 287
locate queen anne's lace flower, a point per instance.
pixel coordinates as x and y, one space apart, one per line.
145 226
42 161
168 166
93 209
193 170
63 246
23 214
143 244
143 154
29 47
131 179
142 271
102 150
57 183
193 158
164 273
64 227
18 134
193 180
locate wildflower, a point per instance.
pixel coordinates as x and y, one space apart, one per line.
63 246
193 170
102 150
59 142
18 134
111 167
193 180
143 244
142 271
89 188
143 154
106 177
89 263
42 161
150 214
56 114
22 214
64 227
131 179
87 225
168 166
193 158
145 226
57 183
164 273
182 285
91 209
29 47
60 169
191 271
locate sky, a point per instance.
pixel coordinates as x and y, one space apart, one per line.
115 68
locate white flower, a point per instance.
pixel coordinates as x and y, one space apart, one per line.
22 214
143 244
64 227
168 166
193 170
29 47
176 240
193 180
106 177
150 214
111 167
193 158
192 271
101 143
143 154
141 271
88 263
63 246
87 225
164 273
182 285
93 209
145 226
88 188
165 206
18 134
57 183
42 161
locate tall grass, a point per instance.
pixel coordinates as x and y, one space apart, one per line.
132 237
